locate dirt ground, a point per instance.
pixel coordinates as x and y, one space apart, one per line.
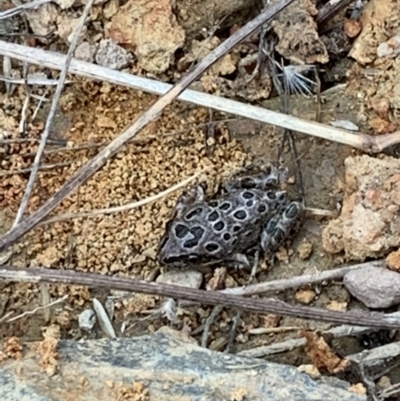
174 148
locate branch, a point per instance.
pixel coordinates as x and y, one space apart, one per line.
264 306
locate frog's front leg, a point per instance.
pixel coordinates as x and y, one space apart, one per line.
279 227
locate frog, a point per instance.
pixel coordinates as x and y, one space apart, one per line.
252 214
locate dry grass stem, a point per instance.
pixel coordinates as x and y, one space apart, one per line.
299 281
32 312
123 208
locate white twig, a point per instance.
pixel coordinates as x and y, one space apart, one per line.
118 209
32 81
16 10
92 71
50 117
58 301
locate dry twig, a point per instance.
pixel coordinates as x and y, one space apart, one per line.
264 306
150 115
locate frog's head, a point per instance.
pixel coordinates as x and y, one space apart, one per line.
180 244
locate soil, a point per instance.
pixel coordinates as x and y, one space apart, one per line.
171 149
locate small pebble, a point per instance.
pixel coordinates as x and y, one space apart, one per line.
184 278
87 320
305 296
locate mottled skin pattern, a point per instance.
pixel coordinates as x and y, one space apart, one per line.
253 213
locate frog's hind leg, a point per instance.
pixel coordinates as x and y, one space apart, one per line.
280 226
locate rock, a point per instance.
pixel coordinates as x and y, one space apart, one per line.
85 51
392 260
150 30
153 363
184 278
111 55
87 320
375 287
43 20
369 224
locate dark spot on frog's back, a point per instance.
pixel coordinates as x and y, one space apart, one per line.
247 195
214 216
212 247
225 206
262 208
292 211
193 213
240 215
226 236
219 226
181 230
197 233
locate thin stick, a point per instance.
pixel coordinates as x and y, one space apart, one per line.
50 117
330 9
32 312
123 208
264 306
289 345
44 167
150 115
368 143
16 10
33 81
299 281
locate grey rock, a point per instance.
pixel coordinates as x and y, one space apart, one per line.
87 320
112 55
375 287
169 365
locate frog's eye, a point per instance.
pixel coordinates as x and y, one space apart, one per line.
193 213
271 195
212 247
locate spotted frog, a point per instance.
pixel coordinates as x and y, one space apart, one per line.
253 213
